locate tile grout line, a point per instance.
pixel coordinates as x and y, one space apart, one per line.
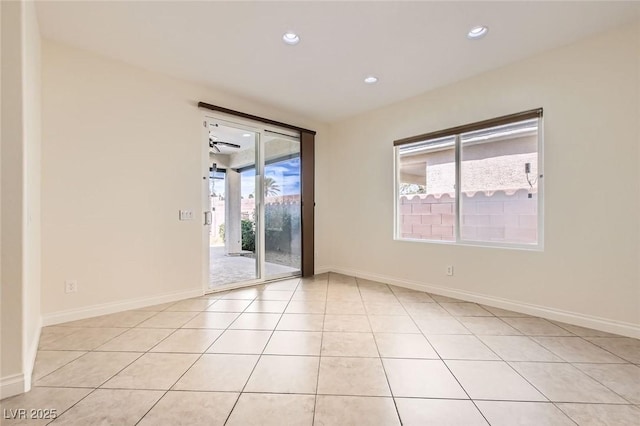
205 351
506 362
572 363
342 356
367 396
260 355
94 389
33 384
444 363
535 387
170 334
197 359
384 370
564 361
88 351
600 382
148 351
324 316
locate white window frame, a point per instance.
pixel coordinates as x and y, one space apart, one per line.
539 246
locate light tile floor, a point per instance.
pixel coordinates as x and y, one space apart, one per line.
331 350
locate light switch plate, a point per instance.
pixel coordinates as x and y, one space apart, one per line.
186 215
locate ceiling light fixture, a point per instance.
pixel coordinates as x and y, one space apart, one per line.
477 32
246 135
291 38
371 79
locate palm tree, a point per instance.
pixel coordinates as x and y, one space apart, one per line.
270 187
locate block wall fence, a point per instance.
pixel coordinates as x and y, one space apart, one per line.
505 216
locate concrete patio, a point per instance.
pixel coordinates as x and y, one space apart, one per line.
225 270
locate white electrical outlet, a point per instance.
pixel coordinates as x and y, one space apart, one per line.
450 270
71 286
186 215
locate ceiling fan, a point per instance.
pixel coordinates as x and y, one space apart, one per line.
213 144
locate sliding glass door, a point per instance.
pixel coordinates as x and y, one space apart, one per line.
254 193
233 254
282 205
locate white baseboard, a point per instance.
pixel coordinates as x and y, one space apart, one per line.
11 385
113 307
589 321
30 357
321 270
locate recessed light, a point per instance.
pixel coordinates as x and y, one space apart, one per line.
291 38
246 135
477 32
371 79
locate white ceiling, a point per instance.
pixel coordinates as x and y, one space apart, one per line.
412 47
232 135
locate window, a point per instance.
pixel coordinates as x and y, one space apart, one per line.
475 184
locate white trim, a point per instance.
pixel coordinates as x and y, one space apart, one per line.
457 205
458 240
589 321
247 284
11 385
322 270
206 206
470 243
396 196
30 357
251 125
234 286
540 182
260 239
113 307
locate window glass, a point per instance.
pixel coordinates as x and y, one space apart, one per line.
499 184
426 190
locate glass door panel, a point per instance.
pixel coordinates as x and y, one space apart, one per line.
234 249
282 205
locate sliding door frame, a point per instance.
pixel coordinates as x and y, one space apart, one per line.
307 184
259 204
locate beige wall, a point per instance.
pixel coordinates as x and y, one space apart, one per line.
33 182
12 197
587 272
122 153
21 319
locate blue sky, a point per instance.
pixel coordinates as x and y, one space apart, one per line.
285 173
